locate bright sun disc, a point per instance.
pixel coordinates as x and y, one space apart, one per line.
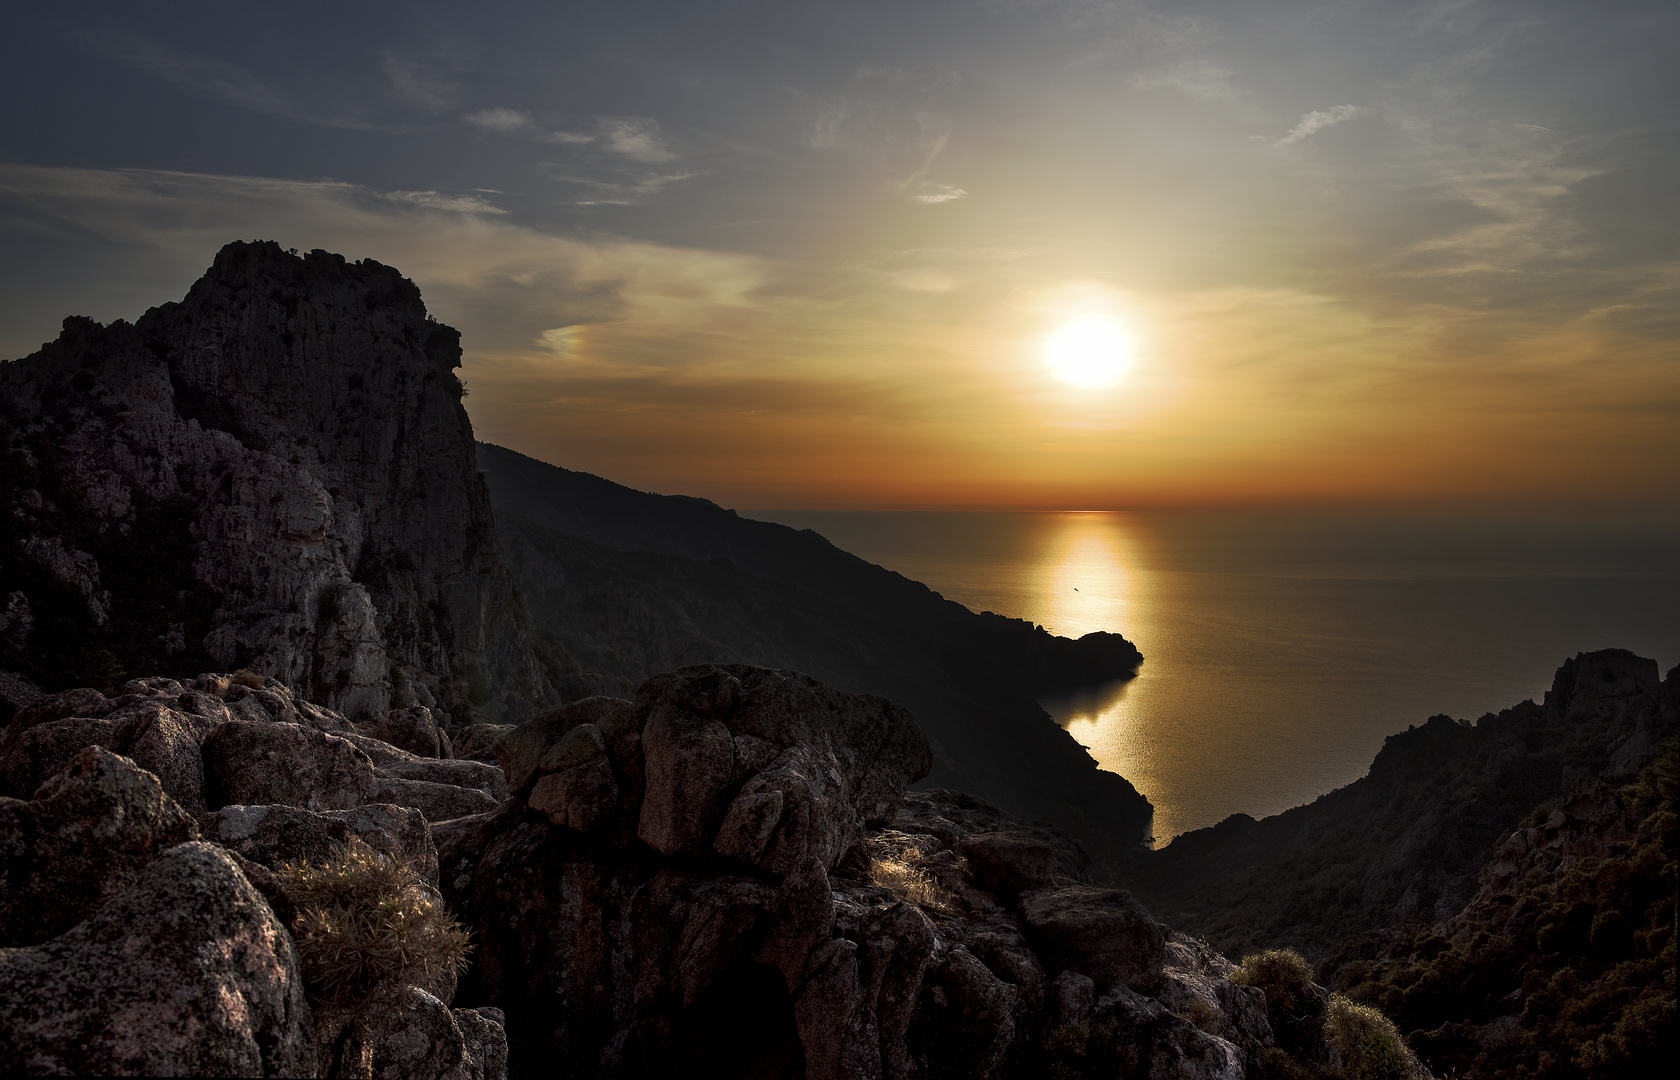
1089 351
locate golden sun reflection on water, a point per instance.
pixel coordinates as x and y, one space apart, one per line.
1094 575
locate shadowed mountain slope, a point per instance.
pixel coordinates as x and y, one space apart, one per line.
1401 848
622 584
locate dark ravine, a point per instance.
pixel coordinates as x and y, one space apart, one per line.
622 584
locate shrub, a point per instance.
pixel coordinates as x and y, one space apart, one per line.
1201 1014
1294 1009
1365 1042
906 877
366 919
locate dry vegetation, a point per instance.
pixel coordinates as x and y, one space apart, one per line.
1319 1039
905 872
366 919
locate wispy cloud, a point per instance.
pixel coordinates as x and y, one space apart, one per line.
216 78
612 192
501 121
1316 121
940 193
452 204
637 138
565 138
417 81
1198 79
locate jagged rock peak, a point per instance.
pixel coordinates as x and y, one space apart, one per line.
275 473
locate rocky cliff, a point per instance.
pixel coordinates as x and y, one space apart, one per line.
622 584
276 474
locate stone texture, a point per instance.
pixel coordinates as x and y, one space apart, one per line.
292 436
483 1030
159 733
478 741
1138 1036
965 1024
521 751
463 774
1009 862
439 802
414 729
262 763
1102 933
1196 981
85 837
407 1034
275 835
187 973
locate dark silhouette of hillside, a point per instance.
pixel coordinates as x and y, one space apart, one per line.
622 584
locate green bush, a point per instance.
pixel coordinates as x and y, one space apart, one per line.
1294 1010
1365 1042
365 920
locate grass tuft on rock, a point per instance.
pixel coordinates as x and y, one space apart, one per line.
366 919
907 878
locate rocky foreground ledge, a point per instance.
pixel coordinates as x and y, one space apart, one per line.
723 877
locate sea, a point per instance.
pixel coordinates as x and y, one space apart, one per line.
1281 648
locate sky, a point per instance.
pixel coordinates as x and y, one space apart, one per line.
1057 254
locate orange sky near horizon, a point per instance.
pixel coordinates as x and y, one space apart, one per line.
809 256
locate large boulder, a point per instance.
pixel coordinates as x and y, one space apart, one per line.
277 762
765 767
405 1033
1104 934
187 973
160 734
439 802
85 837
415 730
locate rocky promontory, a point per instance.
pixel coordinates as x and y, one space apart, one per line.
275 473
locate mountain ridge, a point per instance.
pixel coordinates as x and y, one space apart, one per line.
627 583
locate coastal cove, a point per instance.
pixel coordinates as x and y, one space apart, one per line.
1281 648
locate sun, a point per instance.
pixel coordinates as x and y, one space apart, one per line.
1090 350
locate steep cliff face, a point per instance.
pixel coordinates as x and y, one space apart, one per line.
276 473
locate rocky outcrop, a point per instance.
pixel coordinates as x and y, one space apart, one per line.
220 741
185 973
275 473
726 876
129 946
84 838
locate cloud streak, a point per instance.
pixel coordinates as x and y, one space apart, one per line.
218 79
1312 123
501 121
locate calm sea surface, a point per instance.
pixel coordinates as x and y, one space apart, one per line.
1281 648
